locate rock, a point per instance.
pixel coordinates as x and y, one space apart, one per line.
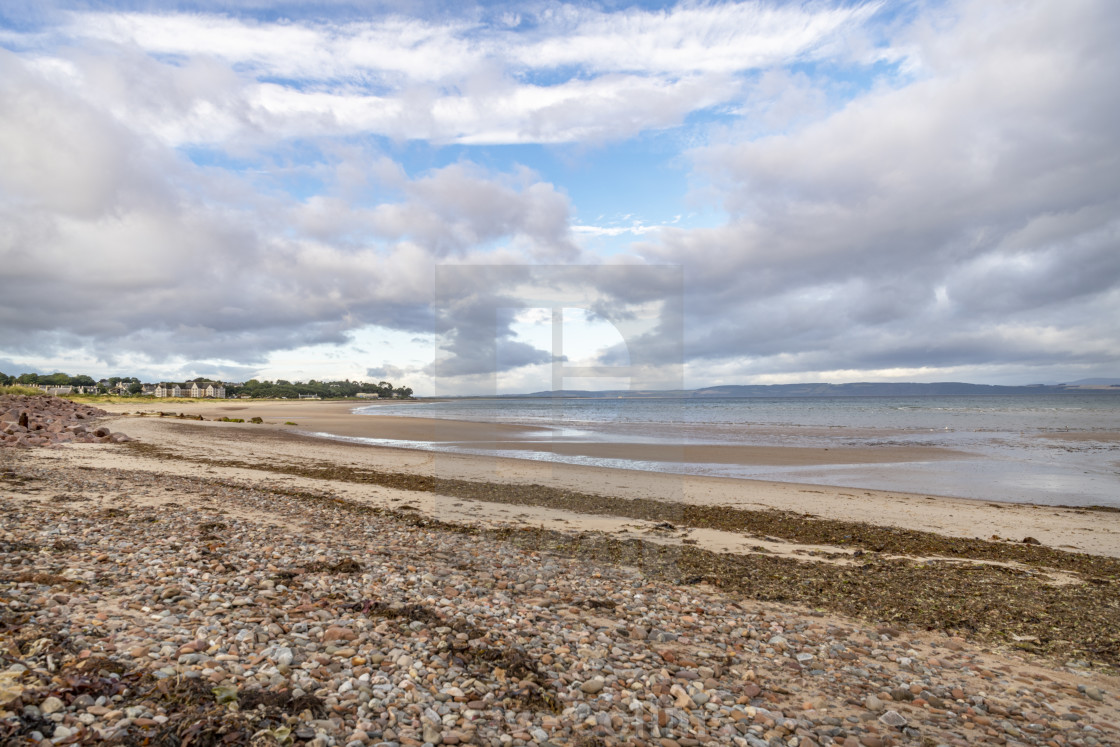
51 705
661 636
593 685
384 656
683 700
339 633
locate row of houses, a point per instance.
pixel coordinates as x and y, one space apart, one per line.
192 389
195 389
62 390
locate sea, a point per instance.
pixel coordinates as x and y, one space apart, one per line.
1051 448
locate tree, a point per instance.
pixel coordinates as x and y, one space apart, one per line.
135 387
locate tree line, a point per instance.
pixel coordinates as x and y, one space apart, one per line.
325 389
253 388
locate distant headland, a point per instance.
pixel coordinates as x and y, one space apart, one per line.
860 389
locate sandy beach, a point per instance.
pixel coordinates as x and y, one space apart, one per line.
341 593
1067 528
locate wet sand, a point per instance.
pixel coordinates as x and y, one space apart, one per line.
276 443
337 419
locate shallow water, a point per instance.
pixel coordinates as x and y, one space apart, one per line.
1048 448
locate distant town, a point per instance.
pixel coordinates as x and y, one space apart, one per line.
62 384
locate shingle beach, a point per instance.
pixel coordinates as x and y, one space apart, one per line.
148 599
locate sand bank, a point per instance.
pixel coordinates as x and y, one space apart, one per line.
273 443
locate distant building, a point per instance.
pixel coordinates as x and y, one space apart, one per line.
195 389
67 389
168 390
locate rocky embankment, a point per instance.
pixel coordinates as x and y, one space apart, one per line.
27 422
142 608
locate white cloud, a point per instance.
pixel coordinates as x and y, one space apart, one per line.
126 250
196 78
709 38
967 216
957 215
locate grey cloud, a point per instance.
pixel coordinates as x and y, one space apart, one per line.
386 373
474 326
451 211
159 258
968 214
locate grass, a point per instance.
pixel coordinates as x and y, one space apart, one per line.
24 390
137 398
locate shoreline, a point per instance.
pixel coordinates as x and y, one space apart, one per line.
515 602
1079 528
826 458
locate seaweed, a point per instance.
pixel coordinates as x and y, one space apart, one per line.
346 565
412 612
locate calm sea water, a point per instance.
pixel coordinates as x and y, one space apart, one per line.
1049 448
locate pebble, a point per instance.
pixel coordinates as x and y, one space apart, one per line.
49 422
593 685
436 636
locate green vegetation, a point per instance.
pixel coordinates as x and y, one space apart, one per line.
55 379
65 379
282 388
279 389
17 389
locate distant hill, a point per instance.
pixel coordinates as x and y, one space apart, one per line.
862 389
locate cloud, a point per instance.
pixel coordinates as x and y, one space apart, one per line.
123 247
387 372
565 74
968 215
934 188
710 38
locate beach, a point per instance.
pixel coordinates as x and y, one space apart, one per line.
1070 528
355 594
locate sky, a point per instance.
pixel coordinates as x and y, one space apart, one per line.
515 196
